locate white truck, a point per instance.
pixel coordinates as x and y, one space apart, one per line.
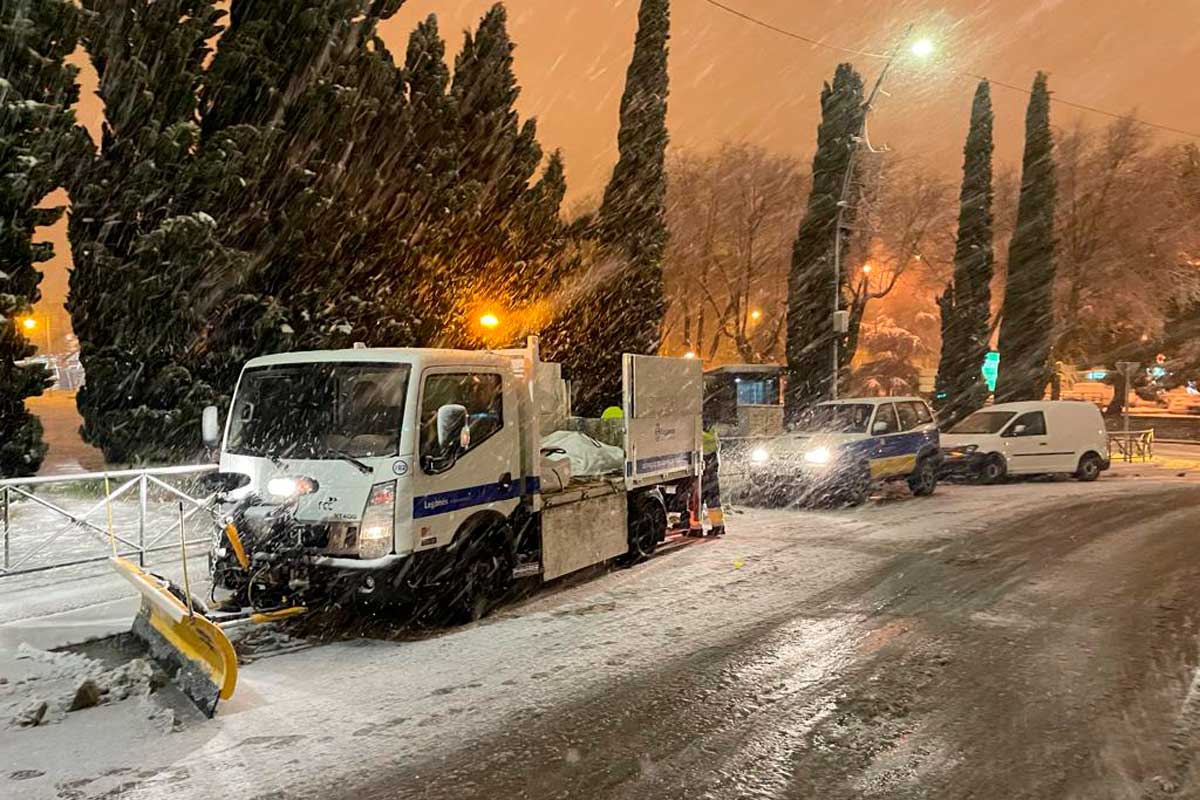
417 475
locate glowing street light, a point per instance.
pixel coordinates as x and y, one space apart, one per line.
756 315
922 48
29 323
866 269
489 321
689 354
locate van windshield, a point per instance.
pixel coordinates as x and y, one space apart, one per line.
984 422
319 410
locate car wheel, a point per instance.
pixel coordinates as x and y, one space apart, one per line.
924 480
858 487
1089 468
993 470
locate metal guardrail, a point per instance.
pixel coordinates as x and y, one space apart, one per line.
1132 445
127 480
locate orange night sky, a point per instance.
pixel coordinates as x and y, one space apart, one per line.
731 80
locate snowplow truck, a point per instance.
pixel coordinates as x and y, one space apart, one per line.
427 478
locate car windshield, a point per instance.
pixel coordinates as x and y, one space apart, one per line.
836 418
319 410
984 422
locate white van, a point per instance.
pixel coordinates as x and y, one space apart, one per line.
1031 438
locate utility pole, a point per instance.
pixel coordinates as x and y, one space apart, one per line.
841 321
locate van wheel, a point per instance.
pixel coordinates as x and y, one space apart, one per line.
924 480
647 524
1089 467
484 575
993 470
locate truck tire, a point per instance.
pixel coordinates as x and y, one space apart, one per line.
993 470
647 525
484 574
924 478
1089 468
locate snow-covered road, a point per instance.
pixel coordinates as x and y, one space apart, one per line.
338 719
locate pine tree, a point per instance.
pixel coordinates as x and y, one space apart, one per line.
140 244
810 281
624 313
39 146
1027 329
966 304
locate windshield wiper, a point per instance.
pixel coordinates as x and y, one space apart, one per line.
362 467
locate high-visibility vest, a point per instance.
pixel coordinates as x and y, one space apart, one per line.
712 442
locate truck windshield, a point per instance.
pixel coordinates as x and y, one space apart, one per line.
983 422
319 410
836 418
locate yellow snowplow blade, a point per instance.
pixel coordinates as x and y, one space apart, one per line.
202 657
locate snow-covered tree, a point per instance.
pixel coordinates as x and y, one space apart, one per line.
966 303
40 144
1027 329
810 281
624 311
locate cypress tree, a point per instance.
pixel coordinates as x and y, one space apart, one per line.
1027 330
39 145
810 280
139 243
966 304
624 314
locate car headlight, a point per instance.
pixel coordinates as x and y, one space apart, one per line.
291 487
971 448
819 455
760 455
378 522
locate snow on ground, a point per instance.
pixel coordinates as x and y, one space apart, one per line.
314 716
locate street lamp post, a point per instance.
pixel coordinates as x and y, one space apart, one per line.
921 48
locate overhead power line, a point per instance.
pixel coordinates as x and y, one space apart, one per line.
1054 98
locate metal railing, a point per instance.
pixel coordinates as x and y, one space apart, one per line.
1131 446
16 491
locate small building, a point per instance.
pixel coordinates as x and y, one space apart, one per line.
745 399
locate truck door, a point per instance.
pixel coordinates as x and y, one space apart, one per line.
485 471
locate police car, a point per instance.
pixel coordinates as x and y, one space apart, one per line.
841 448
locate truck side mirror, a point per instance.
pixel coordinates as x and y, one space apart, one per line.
880 428
453 436
210 427
1019 429
451 422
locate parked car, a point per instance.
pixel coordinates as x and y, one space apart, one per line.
1032 438
840 448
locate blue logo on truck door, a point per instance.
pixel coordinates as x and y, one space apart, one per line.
455 499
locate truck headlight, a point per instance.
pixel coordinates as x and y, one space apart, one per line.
760 455
378 522
818 455
291 487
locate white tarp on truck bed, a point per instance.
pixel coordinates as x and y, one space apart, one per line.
588 456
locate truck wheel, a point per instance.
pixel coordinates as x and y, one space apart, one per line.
1089 468
647 523
484 575
924 479
993 470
